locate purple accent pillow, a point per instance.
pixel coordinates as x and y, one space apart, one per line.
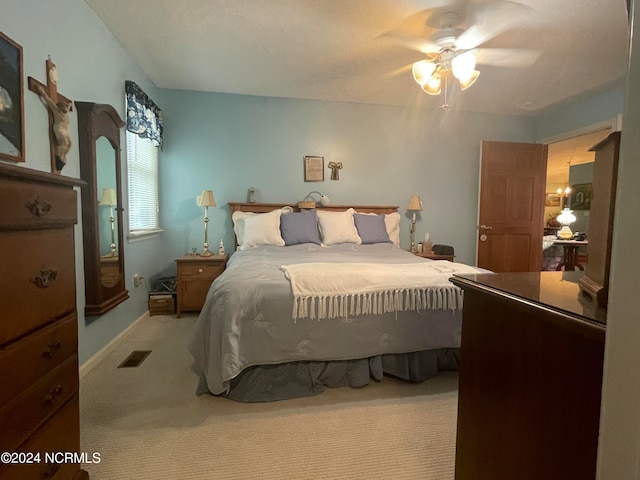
300 227
371 228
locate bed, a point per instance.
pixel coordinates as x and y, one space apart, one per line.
280 323
551 253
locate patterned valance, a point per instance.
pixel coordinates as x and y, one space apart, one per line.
144 117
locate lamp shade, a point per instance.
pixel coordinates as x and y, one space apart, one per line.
206 199
108 197
433 86
422 70
566 217
467 82
415 203
463 66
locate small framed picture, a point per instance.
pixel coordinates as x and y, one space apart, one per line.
11 101
581 196
552 200
314 169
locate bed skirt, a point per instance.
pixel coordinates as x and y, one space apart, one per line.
268 383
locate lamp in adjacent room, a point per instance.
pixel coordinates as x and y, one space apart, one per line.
564 195
206 200
415 205
109 198
566 218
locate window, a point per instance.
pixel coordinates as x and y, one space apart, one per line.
142 168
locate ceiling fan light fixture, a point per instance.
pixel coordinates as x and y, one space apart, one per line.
466 83
463 66
433 85
422 71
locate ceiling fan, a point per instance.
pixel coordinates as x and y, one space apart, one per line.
443 56
454 49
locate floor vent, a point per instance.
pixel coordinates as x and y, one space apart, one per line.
135 359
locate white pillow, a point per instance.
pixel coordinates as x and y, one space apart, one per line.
238 219
337 227
392 222
253 229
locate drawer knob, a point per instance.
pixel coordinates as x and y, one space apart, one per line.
39 208
45 278
52 349
50 472
199 270
54 394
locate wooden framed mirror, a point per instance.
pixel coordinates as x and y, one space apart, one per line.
99 145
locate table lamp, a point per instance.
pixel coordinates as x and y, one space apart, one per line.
566 218
206 200
415 205
109 198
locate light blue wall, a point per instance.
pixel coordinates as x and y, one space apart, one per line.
580 113
229 143
92 66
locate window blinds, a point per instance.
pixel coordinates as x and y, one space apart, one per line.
142 168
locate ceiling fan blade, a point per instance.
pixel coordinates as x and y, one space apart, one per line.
507 57
414 43
490 21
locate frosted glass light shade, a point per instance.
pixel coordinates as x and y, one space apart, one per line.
206 199
566 217
433 86
108 197
422 71
415 203
464 84
463 66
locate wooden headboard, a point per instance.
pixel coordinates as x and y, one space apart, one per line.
267 207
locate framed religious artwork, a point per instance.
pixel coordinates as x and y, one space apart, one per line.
314 169
581 196
11 101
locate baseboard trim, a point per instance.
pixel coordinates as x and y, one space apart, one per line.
87 366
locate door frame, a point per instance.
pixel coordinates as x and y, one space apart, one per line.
615 124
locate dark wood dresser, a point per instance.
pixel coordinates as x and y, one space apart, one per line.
531 363
39 412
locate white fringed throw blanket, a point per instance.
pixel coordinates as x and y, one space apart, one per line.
336 290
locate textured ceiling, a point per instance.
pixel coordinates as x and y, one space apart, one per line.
348 50
567 153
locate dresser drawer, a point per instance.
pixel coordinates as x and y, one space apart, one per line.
27 411
23 363
35 205
37 279
60 434
208 271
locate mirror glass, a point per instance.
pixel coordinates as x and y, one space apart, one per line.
107 218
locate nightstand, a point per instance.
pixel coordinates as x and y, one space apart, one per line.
433 256
195 275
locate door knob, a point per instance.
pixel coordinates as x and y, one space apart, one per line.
485 227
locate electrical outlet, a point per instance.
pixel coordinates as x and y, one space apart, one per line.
137 280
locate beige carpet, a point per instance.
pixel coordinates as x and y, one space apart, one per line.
147 423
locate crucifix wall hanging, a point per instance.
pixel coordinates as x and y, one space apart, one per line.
58 107
335 170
